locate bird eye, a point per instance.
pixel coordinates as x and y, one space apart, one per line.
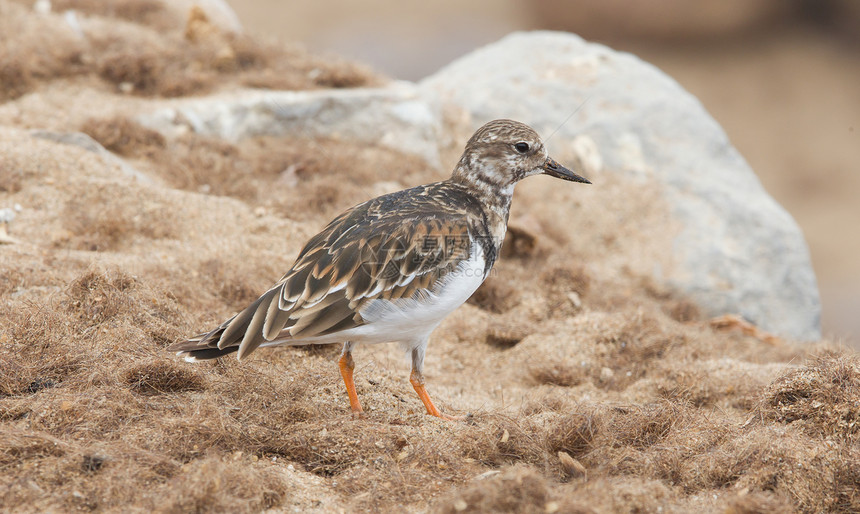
522 147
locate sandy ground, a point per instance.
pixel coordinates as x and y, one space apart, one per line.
784 91
587 387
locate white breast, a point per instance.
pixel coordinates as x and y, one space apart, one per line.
411 319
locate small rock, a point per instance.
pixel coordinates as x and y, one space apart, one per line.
572 467
93 463
197 26
6 216
39 384
460 505
288 177
217 13
42 6
71 18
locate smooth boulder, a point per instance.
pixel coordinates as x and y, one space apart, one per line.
737 250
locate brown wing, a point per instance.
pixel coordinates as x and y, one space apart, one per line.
371 251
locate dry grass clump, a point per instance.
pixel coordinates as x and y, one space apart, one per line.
823 397
113 297
566 278
723 383
504 333
630 349
162 377
515 489
31 356
11 178
559 373
652 440
692 386
98 297
813 475
495 295
141 47
125 137
20 445
230 284
32 52
213 484
759 503
620 350
504 440
108 217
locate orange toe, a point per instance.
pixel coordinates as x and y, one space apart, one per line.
417 381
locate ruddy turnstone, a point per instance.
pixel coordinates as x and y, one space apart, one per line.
390 269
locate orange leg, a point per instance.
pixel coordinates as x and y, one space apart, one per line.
347 365
417 380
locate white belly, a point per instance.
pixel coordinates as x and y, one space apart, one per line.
409 320
413 318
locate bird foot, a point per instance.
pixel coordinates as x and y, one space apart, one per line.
450 417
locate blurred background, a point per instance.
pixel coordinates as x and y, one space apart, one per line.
781 76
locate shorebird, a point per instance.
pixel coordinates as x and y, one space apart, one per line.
390 269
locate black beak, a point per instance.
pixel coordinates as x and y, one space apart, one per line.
554 169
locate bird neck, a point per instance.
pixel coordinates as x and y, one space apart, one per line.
486 184
494 197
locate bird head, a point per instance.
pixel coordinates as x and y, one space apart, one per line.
503 152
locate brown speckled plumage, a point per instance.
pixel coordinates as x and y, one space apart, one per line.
391 254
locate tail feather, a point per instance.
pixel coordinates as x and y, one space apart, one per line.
208 353
203 346
243 333
234 329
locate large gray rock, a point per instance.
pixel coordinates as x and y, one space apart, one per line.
738 251
396 117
